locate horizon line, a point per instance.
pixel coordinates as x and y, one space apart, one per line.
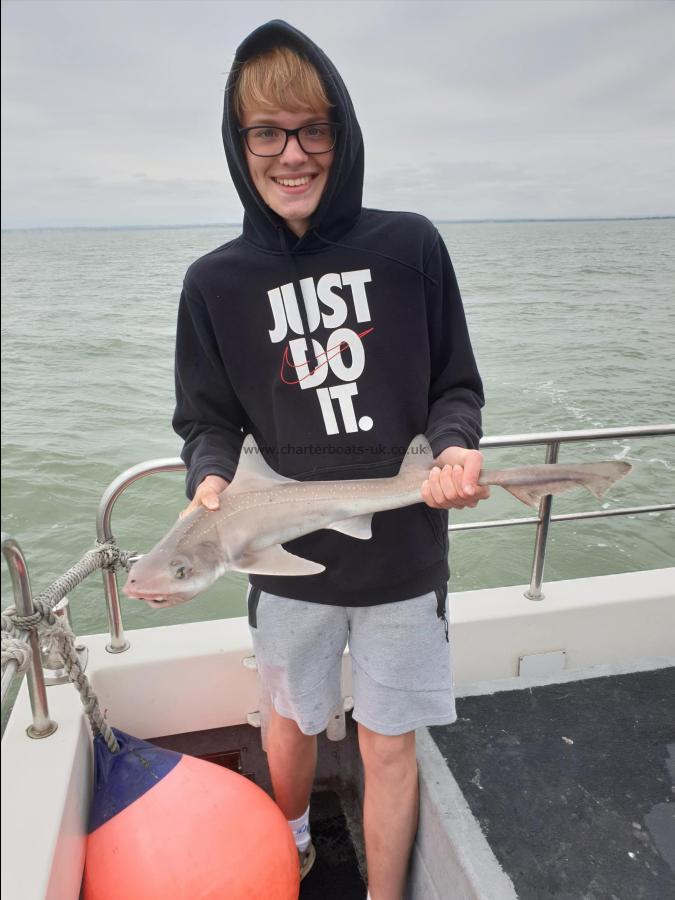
511 219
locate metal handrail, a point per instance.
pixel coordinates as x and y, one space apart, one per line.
42 725
578 435
118 642
550 439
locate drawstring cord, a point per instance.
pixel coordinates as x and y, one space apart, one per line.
441 609
312 361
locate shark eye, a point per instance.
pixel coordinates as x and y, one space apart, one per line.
180 569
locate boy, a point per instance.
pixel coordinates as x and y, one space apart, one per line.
334 334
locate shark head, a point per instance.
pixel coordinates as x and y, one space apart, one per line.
182 565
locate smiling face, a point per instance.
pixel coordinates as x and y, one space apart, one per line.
291 184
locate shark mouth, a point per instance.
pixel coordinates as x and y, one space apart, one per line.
158 600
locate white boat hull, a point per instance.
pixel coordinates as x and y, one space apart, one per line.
188 678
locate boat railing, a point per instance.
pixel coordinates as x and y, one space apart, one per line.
551 441
108 552
42 725
118 642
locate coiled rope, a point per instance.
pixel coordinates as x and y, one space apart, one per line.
57 637
14 647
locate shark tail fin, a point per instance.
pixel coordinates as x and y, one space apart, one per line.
595 477
599 477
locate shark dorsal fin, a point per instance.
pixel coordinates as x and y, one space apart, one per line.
419 456
253 473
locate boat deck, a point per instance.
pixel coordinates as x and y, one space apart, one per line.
335 875
572 784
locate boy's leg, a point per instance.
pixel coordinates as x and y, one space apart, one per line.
402 679
299 648
291 756
390 809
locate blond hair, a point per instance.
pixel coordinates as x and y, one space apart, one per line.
278 79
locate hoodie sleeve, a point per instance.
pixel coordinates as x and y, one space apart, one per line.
456 390
208 414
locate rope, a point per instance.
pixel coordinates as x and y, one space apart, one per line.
15 648
104 556
57 637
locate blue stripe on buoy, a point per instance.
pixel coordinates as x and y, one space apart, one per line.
121 778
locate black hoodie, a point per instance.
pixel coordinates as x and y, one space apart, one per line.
389 357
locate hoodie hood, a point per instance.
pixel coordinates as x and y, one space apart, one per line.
340 204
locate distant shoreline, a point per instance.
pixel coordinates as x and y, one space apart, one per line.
238 224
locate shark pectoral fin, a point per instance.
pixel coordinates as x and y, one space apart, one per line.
275 560
357 527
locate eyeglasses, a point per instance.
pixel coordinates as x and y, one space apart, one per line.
271 140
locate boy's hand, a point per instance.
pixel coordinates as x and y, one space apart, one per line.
206 494
453 481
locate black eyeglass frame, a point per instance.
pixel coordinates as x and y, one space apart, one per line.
290 132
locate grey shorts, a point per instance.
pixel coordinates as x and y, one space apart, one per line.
400 655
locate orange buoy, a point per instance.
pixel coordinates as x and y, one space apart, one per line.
166 826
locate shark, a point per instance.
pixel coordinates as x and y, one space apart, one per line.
261 510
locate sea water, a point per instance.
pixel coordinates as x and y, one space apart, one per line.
573 326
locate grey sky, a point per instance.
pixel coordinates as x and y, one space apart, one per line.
111 108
